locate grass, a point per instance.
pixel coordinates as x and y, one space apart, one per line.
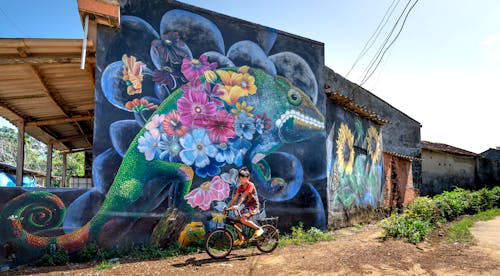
459 231
358 228
104 265
301 236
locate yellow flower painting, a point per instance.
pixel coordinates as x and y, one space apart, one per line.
345 149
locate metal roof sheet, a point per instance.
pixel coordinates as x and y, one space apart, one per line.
43 85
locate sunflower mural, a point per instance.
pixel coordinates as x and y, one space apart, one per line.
373 144
356 170
345 149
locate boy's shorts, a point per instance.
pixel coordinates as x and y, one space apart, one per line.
249 211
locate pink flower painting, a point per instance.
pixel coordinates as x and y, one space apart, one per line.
192 68
195 108
221 127
202 197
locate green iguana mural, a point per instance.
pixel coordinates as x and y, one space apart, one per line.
220 119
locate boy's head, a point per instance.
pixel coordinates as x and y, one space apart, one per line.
244 172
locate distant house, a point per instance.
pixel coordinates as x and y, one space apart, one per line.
445 167
492 153
489 167
8 177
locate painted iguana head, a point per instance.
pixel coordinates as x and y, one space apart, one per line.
294 118
293 114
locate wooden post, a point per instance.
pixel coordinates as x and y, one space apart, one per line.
63 178
48 176
20 154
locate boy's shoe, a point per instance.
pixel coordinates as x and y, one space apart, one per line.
258 233
238 242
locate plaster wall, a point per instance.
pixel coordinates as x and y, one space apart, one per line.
443 171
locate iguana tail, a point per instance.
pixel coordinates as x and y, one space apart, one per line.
32 222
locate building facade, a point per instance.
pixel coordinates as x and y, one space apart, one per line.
183 98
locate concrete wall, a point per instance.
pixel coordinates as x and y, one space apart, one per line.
402 136
184 97
488 172
443 171
355 167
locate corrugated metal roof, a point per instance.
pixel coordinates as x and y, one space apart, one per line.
446 148
42 84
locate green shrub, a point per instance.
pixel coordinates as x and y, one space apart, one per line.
424 208
407 225
423 215
58 258
87 253
495 192
299 235
61 258
45 260
452 204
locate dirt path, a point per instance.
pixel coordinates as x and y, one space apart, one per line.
354 251
487 235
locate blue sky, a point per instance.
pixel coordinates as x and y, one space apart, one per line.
442 71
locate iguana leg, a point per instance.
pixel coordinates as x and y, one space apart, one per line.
278 188
136 188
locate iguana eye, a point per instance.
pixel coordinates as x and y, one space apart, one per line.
294 97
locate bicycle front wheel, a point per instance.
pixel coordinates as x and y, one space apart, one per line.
219 243
269 240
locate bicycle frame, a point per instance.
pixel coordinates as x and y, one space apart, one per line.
228 220
220 241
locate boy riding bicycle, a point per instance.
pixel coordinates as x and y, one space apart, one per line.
248 195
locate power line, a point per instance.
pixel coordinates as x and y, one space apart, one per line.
381 48
14 23
367 77
375 34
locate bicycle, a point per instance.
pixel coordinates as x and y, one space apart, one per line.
220 241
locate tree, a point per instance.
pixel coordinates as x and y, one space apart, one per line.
35 155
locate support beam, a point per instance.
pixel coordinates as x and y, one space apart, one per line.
16 114
48 175
60 121
46 90
63 178
45 60
22 52
20 154
72 138
79 150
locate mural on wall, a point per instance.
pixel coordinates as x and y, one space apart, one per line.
355 164
180 121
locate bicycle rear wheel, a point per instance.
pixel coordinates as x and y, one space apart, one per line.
219 243
269 240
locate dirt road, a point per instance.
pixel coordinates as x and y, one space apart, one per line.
354 251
